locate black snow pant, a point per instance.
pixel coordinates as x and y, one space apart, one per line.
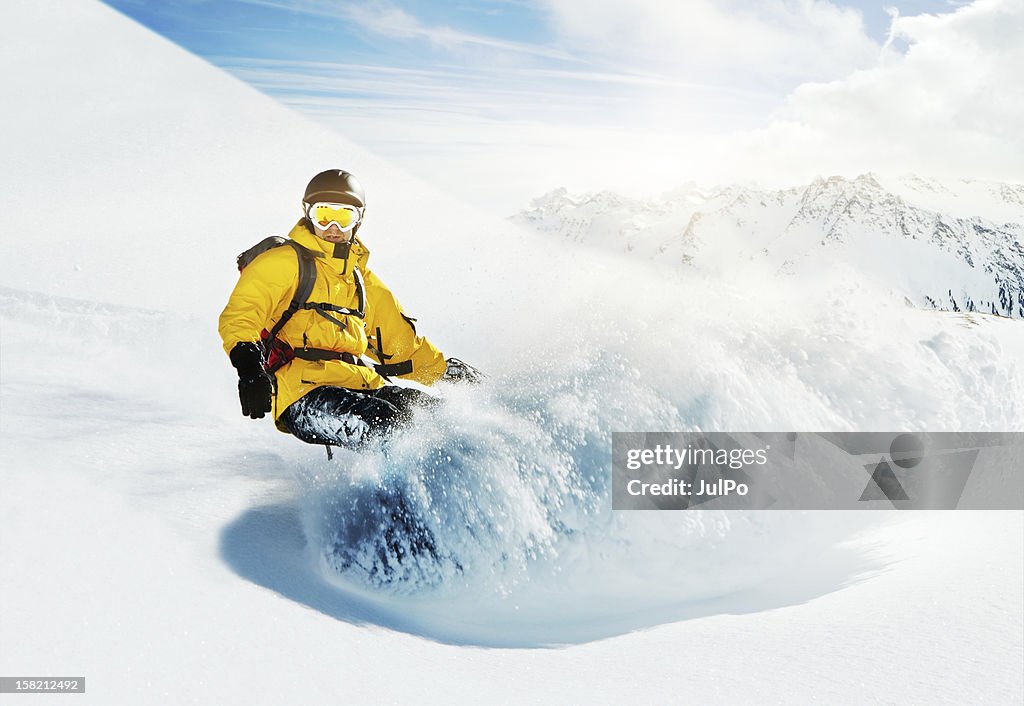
338 416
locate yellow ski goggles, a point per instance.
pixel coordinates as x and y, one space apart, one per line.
322 215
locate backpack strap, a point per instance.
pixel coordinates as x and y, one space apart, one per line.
322 308
307 278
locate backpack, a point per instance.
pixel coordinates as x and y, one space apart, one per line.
277 353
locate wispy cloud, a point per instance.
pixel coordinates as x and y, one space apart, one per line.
536 76
513 93
386 19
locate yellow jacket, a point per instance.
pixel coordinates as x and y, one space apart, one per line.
265 289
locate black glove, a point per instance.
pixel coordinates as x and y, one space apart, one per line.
255 385
460 371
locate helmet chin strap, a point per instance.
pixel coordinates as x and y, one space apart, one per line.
341 248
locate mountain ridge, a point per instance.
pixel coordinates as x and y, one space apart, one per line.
965 256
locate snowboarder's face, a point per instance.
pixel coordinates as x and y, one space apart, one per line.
333 234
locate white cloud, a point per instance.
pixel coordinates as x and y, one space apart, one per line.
951 104
943 97
780 39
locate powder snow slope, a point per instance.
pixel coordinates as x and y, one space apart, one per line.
158 167
172 552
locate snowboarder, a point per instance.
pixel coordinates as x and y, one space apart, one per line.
301 319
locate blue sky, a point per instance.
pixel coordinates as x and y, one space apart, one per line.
563 82
489 43
284 29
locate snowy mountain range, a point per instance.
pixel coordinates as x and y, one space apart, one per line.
946 244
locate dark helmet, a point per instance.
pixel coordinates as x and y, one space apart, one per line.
335 186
